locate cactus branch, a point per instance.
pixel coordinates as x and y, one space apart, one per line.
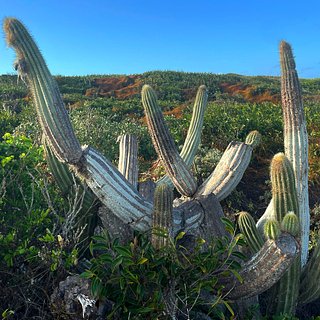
114 191
128 158
164 145
248 228
51 111
229 171
265 268
193 139
285 200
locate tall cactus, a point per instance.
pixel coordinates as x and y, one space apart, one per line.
54 121
295 141
102 177
295 138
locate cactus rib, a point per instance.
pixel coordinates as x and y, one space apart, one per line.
272 229
164 145
309 287
50 107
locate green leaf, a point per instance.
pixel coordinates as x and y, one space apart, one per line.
239 255
116 262
142 260
228 307
180 235
123 251
228 225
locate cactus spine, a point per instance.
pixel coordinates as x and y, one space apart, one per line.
193 139
166 149
285 200
162 216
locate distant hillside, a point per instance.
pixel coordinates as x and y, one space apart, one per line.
174 86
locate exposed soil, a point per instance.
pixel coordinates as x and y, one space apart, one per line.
248 92
122 87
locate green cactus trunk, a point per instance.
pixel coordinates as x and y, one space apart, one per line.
86 205
162 216
285 200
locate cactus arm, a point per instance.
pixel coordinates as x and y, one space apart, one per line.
248 228
265 268
102 177
231 167
283 187
295 138
51 111
253 139
114 191
162 216
228 171
285 200
164 145
272 229
128 158
193 139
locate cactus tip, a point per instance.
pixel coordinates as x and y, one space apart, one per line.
278 161
253 138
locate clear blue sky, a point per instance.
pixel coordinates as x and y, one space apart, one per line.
80 37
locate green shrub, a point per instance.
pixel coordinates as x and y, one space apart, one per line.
138 278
